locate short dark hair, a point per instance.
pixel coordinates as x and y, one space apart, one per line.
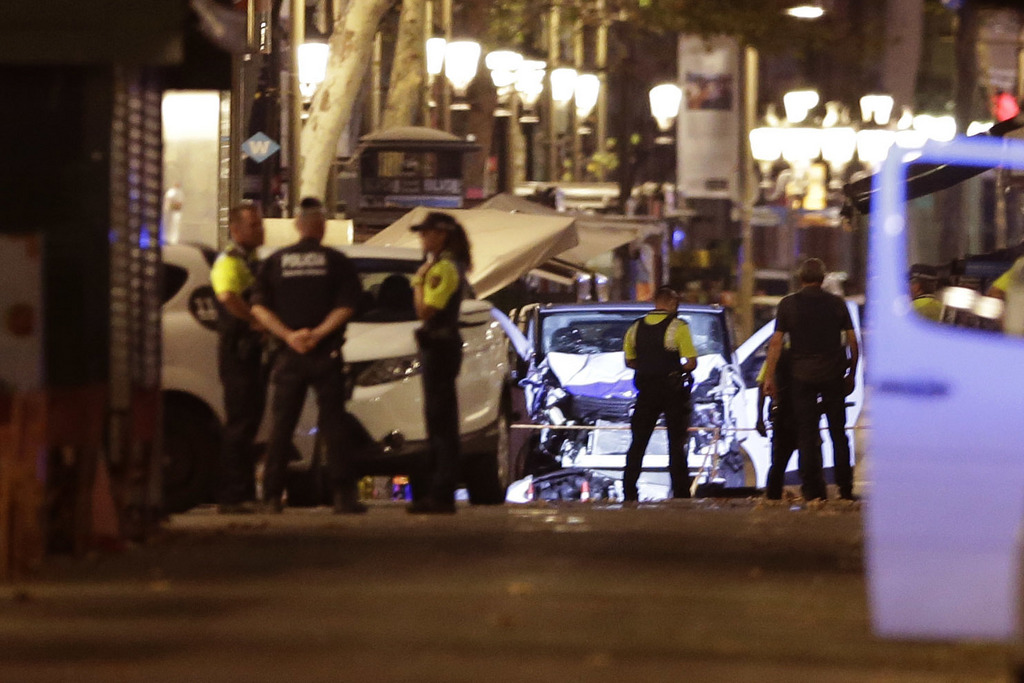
812 271
665 292
245 206
311 204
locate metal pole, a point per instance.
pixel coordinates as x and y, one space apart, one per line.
554 59
601 56
236 167
446 86
748 188
376 82
428 90
577 141
298 35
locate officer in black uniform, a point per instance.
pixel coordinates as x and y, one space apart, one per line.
654 346
240 352
438 290
305 295
783 424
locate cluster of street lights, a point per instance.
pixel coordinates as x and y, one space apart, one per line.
511 73
835 141
519 82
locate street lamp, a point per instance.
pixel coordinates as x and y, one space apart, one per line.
810 10
312 67
529 86
435 56
665 100
586 91
877 108
838 145
503 65
799 103
460 63
563 84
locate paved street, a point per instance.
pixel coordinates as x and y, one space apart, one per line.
728 590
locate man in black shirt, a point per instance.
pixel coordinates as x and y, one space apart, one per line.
817 324
305 294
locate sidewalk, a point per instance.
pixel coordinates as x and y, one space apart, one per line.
696 591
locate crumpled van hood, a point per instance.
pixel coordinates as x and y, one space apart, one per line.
605 375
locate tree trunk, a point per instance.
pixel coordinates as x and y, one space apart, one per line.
351 52
904 26
954 240
482 98
406 83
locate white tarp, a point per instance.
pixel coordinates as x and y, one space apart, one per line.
598 234
505 246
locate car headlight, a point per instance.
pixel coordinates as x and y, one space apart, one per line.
388 370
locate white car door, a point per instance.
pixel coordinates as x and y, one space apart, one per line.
947 473
484 367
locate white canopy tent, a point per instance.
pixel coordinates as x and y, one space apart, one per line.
505 245
598 233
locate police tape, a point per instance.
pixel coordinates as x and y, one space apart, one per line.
626 428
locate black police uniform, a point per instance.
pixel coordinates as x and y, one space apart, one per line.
302 284
240 356
815 321
662 388
783 428
440 346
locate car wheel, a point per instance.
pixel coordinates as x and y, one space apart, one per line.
192 439
736 468
486 474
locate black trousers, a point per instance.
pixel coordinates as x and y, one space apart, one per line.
244 380
808 415
784 442
439 472
293 375
657 396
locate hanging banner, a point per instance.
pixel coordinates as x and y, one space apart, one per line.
708 127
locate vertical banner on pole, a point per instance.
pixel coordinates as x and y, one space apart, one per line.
708 126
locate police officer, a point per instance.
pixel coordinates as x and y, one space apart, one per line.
660 349
239 357
923 280
305 295
819 326
438 290
782 420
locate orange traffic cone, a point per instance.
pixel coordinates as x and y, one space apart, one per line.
585 490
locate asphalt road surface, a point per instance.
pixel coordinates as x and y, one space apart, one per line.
727 590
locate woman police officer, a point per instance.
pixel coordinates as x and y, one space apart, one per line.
438 289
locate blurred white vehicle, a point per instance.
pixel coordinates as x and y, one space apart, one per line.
943 527
387 396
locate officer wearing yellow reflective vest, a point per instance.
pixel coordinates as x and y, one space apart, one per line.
438 290
923 280
239 357
660 349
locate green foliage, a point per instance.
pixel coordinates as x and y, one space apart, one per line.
761 23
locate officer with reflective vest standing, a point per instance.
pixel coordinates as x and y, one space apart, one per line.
660 349
305 295
240 354
438 290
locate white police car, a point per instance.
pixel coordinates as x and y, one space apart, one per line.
387 396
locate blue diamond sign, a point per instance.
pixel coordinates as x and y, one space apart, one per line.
259 148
